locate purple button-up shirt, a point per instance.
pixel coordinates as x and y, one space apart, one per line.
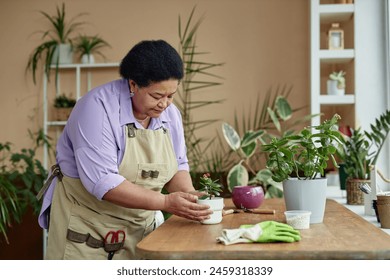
92 144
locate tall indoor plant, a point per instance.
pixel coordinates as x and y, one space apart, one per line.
198 76
57 37
299 162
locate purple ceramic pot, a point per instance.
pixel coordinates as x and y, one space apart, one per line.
248 197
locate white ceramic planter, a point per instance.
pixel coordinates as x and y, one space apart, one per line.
216 204
87 59
332 88
64 53
309 195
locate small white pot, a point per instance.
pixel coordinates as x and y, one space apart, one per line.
333 89
216 204
87 59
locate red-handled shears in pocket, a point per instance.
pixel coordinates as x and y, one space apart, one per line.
114 241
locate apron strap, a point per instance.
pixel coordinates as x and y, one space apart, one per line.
55 172
130 130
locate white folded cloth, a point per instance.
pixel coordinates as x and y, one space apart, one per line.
240 235
158 219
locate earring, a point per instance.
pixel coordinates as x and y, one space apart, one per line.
131 94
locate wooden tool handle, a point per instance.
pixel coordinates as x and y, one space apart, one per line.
227 212
263 211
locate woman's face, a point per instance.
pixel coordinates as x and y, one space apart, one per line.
154 99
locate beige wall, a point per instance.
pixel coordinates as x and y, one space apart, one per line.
264 43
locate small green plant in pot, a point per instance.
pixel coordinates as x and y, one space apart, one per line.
212 198
210 187
87 46
63 105
336 83
298 161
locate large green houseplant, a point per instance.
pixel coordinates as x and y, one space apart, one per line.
59 33
299 162
271 119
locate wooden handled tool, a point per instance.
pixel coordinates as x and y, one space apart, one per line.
260 211
254 211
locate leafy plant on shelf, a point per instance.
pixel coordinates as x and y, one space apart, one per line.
88 45
59 32
304 155
210 187
63 101
339 77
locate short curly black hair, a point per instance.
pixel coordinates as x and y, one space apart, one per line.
151 61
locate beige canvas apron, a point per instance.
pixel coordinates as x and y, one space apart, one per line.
149 160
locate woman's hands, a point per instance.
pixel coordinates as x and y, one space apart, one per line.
185 205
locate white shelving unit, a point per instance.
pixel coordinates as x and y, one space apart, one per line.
78 70
322 14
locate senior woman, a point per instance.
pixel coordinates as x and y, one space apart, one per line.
122 144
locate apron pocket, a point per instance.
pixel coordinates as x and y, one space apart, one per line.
154 175
86 222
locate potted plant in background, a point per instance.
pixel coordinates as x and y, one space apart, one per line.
336 83
299 162
63 107
57 46
268 122
21 177
87 46
356 165
361 152
212 198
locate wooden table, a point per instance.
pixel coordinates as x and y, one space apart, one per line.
342 235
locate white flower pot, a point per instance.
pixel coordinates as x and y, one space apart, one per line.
332 88
87 59
309 195
64 53
216 204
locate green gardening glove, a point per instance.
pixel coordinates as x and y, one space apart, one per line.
276 232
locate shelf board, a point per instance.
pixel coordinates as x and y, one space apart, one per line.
56 123
337 56
336 12
337 99
92 65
